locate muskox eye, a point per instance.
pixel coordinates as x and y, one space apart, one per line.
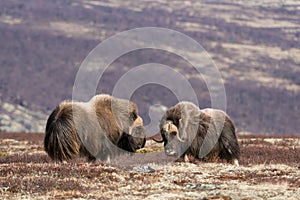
173 133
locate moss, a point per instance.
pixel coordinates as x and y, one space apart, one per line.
2 153
144 150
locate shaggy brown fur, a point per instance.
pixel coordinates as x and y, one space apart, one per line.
94 129
209 134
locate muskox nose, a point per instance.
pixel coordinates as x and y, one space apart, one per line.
170 152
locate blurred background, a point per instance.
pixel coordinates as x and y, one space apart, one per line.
255 44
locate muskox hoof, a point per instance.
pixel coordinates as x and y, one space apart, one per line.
186 158
235 162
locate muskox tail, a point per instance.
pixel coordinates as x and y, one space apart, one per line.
230 149
61 140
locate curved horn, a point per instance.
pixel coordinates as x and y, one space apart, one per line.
137 122
169 127
180 140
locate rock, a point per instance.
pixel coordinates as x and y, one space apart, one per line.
201 186
144 169
17 118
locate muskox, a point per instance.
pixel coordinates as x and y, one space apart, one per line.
98 129
206 134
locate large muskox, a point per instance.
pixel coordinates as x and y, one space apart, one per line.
205 134
98 129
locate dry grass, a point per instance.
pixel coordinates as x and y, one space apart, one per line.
267 171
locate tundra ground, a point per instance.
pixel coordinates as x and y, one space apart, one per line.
269 169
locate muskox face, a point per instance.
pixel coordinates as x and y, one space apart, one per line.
179 127
135 141
173 144
134 136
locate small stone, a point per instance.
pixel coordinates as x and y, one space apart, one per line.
144 169
201 186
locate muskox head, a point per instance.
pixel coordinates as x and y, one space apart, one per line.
135 138
171 138
178 128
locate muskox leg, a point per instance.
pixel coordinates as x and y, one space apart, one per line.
235 162
189 158
230 149
91 158
213 155
186 158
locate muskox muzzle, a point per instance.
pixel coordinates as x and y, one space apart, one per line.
171 152
137 134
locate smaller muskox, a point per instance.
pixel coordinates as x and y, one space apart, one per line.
206 134
99 129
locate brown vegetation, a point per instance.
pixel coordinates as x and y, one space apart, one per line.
269 168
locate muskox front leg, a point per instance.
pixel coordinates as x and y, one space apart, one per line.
189 158
91 159
235 162
186 158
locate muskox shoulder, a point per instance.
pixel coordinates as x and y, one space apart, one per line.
217 116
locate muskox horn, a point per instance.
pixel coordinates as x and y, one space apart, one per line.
137 122
169 127
180 140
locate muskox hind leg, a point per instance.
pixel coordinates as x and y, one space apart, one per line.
85 153
230 152
229 147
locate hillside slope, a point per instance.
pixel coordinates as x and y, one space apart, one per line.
256 46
